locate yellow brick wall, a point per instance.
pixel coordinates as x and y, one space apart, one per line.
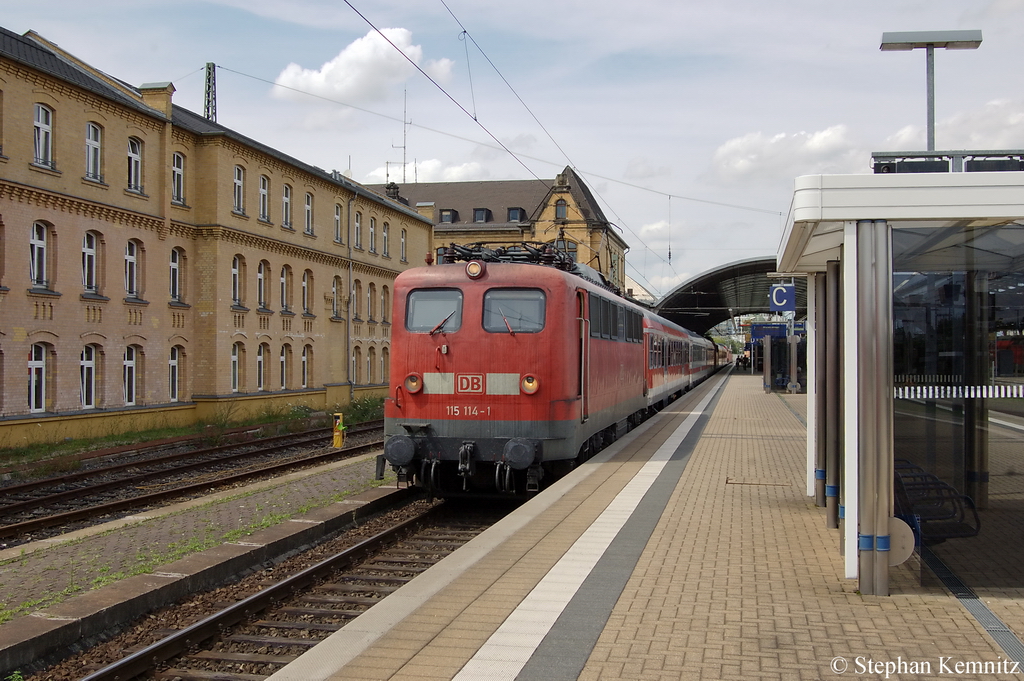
209 234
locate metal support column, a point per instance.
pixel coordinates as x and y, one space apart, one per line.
831 395
874 404
816 390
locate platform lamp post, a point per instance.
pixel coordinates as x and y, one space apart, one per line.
929 40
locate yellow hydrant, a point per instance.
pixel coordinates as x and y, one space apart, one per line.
339 431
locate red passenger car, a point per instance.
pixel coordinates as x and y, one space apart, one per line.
517 364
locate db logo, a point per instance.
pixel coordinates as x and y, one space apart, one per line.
469 383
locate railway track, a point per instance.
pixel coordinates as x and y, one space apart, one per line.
138 479
251 639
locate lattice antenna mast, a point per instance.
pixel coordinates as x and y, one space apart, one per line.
405 128
210 104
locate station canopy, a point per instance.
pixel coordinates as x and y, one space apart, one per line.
732 290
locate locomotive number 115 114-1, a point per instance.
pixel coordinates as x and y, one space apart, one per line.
466 410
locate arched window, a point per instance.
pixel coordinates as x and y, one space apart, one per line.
307 292
38 260
403 246
176 265
90 256
385 228
371 368
561 209
177 178
87 369
236 359
237 279
262 354
132 269
262 275
174 369
44 136
264 198
338 234
135 164
37 377
286 281
130 375
93 152
373 235
286 352
308 214
286 207
357 238
238 194
307 362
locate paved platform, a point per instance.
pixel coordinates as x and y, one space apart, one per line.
687 550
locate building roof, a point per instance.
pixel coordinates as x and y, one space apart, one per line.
497 196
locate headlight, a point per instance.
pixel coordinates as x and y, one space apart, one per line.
529 384
474 269
414 383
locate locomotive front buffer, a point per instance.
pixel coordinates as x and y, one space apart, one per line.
420 452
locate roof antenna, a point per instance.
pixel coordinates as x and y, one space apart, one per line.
210 106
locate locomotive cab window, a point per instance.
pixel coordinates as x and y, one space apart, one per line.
434 310
509 310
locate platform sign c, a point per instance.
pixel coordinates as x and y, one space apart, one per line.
783 298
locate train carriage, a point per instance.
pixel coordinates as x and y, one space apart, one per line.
506 371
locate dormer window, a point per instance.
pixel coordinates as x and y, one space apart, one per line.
515 214
480 214
447 215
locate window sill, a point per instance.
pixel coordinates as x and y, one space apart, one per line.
48 169
239 308
179 305
138 193
132 300
93 296
45 292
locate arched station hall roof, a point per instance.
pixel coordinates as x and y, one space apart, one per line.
735 289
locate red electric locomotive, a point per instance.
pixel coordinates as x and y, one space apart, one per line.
515 364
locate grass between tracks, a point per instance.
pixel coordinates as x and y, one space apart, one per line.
59 451
82 577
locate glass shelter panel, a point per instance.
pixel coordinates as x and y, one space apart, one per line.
958 321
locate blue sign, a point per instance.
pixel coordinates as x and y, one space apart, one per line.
783 298
773 329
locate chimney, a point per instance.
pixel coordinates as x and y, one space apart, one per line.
158 96
391 190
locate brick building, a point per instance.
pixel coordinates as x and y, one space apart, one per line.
157 268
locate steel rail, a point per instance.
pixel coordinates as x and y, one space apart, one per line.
28 504
146 659
123 504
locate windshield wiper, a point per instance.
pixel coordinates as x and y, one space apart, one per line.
443 322
507 326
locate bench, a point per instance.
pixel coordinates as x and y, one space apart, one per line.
935 510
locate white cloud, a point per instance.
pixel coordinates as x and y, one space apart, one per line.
365 71
997 125
431 170
759 157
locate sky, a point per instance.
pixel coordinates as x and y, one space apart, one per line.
689 120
